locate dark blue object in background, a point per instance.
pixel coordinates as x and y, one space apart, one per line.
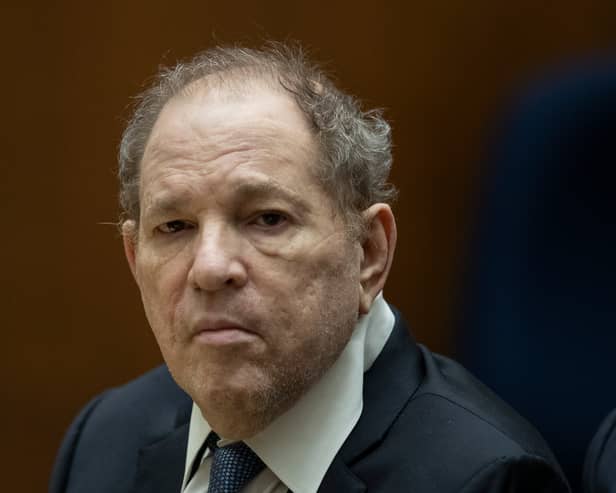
538 320
600 465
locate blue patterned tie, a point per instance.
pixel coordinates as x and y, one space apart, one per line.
232 466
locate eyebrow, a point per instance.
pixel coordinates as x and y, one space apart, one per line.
165 205
172 203
269 189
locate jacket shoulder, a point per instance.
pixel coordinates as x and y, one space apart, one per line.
451 433
103 440
447 384
438 445
144 407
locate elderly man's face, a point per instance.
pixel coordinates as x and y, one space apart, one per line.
249 279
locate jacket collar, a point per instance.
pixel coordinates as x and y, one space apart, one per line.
160 465
399 366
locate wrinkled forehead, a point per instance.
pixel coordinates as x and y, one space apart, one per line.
207 132
210 116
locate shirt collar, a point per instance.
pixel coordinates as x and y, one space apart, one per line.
299 446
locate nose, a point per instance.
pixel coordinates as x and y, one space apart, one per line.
217 262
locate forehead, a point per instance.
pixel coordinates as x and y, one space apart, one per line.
209 132
213 119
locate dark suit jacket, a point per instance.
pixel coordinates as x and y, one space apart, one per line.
427 426
600 465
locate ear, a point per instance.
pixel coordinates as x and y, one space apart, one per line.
379 243
129 238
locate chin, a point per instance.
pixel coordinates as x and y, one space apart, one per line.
235 429
236 416
242 408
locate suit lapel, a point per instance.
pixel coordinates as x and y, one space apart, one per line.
340 478
388 385
160 466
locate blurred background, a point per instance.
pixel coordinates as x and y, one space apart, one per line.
503 118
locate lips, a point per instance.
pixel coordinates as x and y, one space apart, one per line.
221 331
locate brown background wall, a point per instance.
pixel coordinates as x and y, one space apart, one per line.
70 312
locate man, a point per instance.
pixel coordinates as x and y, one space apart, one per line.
257 229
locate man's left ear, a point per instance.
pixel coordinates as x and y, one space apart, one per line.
378 245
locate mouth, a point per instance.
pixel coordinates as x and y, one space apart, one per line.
222 333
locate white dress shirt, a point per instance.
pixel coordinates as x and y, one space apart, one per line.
299 446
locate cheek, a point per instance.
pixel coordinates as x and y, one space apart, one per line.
322 284
329 267
161 284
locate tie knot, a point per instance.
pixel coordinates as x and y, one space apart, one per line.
233 466
211 441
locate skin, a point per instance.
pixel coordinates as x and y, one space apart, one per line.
249 279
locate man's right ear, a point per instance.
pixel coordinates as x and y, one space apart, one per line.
129 237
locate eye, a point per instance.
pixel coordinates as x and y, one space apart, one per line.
270 219
173 227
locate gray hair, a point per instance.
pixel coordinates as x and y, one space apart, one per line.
355 145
